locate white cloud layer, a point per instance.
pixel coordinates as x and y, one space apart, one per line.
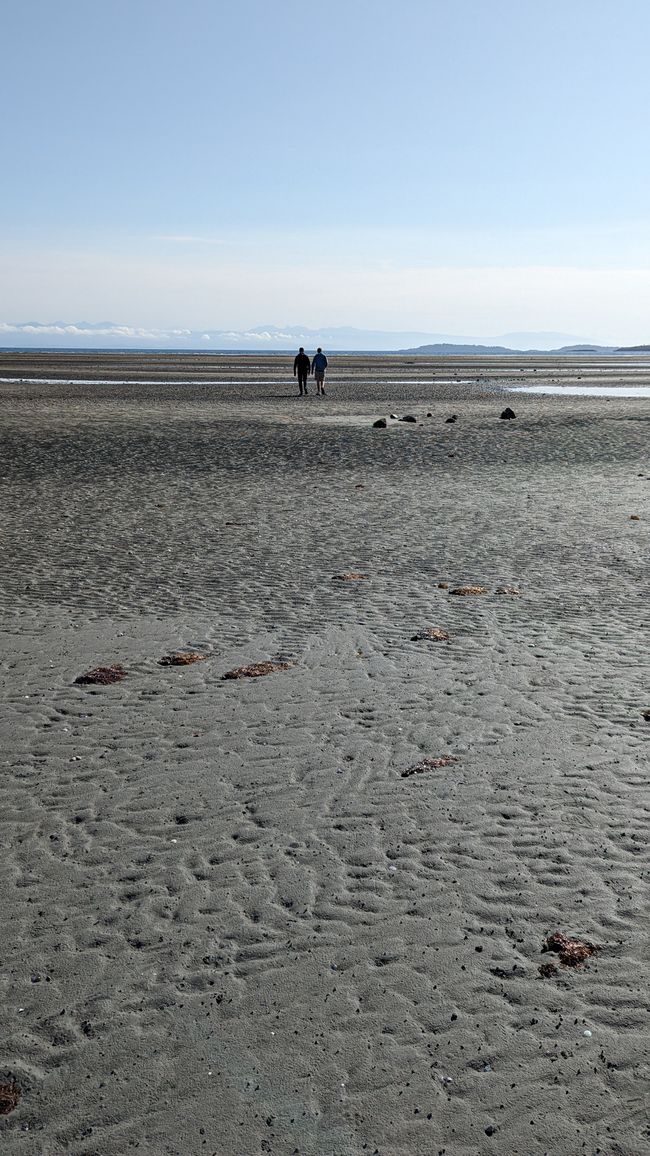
36 328
609 305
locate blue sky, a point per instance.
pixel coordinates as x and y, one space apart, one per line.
470 166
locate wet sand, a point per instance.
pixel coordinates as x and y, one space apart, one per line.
231 925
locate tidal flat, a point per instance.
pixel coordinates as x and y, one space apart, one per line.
246 914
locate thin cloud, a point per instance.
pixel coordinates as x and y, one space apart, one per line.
36 328
188 239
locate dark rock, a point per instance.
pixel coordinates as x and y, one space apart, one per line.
393 416
432 634
381 423
449 420
429 415
508 414
408 417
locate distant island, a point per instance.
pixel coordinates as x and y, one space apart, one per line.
446 349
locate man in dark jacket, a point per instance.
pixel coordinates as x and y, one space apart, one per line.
301 367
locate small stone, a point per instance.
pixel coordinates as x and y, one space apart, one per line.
490 1130
381 423
409 417
452 419
508 414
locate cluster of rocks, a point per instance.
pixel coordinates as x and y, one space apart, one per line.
382 422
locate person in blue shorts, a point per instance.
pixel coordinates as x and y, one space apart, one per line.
318 367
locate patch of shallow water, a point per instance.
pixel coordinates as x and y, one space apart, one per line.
586 390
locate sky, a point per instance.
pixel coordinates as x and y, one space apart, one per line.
454 166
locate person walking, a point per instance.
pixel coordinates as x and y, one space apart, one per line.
301 367
318 367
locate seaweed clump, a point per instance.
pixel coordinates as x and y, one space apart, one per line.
428 764
257 669
102 675
10 1095
571 952
181 658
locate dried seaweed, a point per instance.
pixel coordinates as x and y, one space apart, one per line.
102 675
350 576
467 590
513 591
257 669
431 634
571 952
9 1098
181 658
427 764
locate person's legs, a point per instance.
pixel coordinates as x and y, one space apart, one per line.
302 382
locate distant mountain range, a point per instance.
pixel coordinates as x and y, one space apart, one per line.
269 338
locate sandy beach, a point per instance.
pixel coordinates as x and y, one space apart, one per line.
232 924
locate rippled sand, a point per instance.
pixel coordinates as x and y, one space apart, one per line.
231 925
